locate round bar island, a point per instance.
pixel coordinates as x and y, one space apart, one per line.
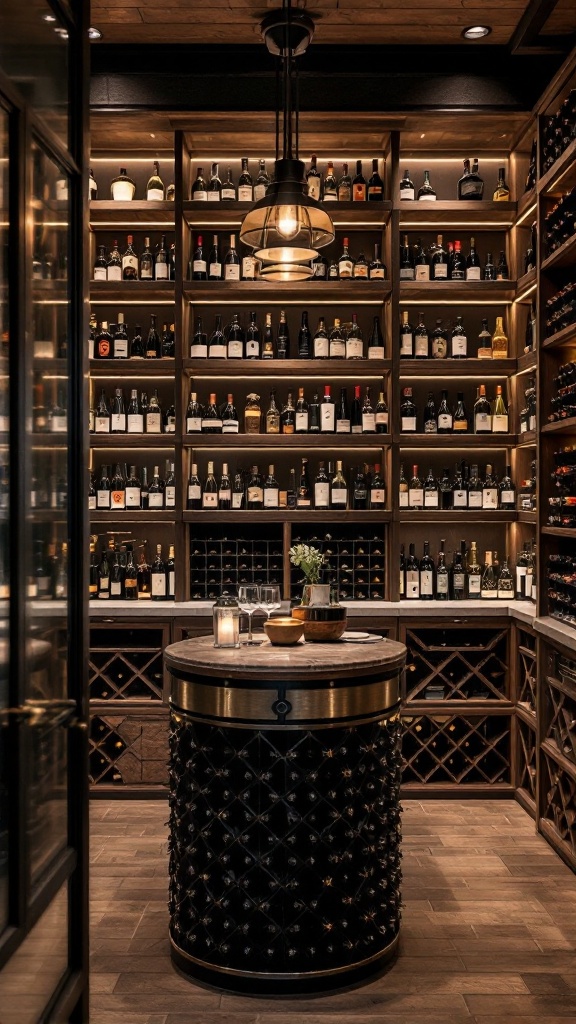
284 812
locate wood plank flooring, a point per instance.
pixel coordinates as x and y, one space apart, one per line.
488 936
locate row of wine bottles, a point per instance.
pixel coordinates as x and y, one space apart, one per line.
342 341
562 503
255 490
529 412
130 489
466 489
116 577
427 580
47 579
123 187
151 265
560 224
138 416
439 264
328 186
561 584
560 309
209 266
110 341
418 342
487 417
563 402
559 131
469 186
319 416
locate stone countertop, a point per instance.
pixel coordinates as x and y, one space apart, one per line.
309 660
379 609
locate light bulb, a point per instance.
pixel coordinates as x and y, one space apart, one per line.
287 221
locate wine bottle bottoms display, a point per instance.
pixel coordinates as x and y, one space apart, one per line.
344 340
559 131
465 576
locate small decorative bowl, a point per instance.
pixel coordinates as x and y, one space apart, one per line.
284 631
322 622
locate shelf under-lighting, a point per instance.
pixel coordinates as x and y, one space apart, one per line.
527 213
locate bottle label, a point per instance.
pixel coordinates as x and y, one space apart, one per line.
236 499
170 496
102 425
155 194
245 193
490 497
100 274
416 497
532 422
215 270
260 192
115 588
212 196
194 492
406 345
406 273
322 495
361 270
202 196
327 417
217 352
339 495
506 497
303 502
460 499
440 271
403 499
321 348
122 191
210 499
199 266
439 348
470 188
406 193
345 267
377 496
120 348
314 186
412 583
430 499
58 425
235 349
342 426
375 192
430 427
198 351
248 268
271 498
420 347
118 422
427 582
130 262
459 345
114 273
135 423
482 422
228 193
103 592
445 421
252 349
442 583
231 427
255 494
354 348
422 272
223 495
500 423
337 348
158 584
473 274
133 496
146 271
474 583
212 425
161 271
155 499
103 499
302 421
232 272
170 425
408 423
382 420
459 581
118 499
171 582
91 502
153 423
427 198
368 423
474 499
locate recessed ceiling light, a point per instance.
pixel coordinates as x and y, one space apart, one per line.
49 18
476 31
94 33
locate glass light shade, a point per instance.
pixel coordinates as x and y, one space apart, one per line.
287 226
226 621
286 272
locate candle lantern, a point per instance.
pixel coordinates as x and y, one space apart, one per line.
226 618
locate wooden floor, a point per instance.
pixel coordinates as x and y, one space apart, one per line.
489 929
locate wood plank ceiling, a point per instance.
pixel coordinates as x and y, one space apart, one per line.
394 22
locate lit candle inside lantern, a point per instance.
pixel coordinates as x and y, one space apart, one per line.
226 630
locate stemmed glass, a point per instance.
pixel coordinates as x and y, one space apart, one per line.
270 598
248 602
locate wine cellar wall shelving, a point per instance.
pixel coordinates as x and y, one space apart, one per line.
474 708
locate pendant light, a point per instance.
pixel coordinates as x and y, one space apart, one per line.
287 227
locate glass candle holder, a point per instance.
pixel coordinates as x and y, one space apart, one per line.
226 620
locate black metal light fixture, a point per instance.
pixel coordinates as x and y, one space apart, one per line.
287 227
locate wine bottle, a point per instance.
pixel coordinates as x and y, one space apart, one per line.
359 491
304 492
445 418
304 338
460 418
271 492
489 268
268 341
313 179
431 491
439 341
314 414
224 489
100 272
129 262
102 418
214 261
368 415
426 574
430 417
489 583
245 184
408 414
377 498
499 340
217 348
345 186
458 341
439 263
155 491
262 181
254 490
253 339
403 489
210 489
301 413
474 581
506 492
499 413
211 419
155 186
338 489
337 346
442 576
199 343
321 488
194 500
415 491
230 422
158 577
375 191
199 190
360 268
122 188
457 267
118 413
114 265
412 571
232 262
252 414
502 268
103 490
484 342
345 263
199 272
426 192
153 347
288 416
153 415
327 412
161 268
321 347
238 491
359 186
381 415
407 270
482 413
228 188
273 415
407 187
354 341
235 345
376 269
330 185
283 340
376 341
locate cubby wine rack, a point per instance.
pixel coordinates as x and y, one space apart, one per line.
449 664
446 749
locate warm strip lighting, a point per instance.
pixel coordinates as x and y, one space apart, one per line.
131 302
134 159
474 376
255 448
451 160
451 302
209 160
285 376
290 302
528 213
442 448
99 224
522 298
458 224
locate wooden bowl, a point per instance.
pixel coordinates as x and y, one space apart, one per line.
284 631
321 623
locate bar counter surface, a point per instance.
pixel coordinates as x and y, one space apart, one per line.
284 812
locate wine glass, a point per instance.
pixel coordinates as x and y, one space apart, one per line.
248 602
270 598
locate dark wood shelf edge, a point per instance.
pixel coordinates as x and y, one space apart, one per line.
567 336
528 717
555 259
558 169
560 426
550 748
287 516
568 532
